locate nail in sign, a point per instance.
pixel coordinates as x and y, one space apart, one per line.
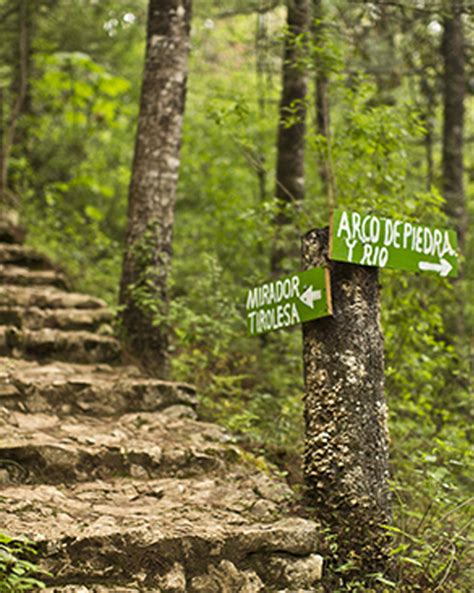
288 301
371 240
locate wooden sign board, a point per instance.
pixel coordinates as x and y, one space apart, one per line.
288 301
372 240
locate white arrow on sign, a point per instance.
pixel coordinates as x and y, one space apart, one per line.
443 268
309 296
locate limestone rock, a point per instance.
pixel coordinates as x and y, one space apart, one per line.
226 578
174 581
304 572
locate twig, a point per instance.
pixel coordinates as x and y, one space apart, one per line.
448 568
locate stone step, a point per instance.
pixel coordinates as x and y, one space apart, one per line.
17 276
11 232
52 344
196 535
101 588
98 390
47 298
214 584
43 448
64 319
20 255
234 586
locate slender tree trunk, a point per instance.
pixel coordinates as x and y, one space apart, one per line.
453 52
346 444
428 117
322 102
19 88
261 50
291 131
144 294
429 142
2 150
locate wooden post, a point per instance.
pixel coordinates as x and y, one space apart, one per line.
346 446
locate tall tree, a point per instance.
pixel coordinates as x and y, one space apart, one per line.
289 190
10 117
321 81
144 294
454 92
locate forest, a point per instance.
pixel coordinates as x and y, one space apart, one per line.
169 178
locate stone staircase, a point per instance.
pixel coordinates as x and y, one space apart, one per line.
111 473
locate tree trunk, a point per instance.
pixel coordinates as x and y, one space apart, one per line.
19 93
289 190
322 102
262 66
2 151
346 448
144 294
453 52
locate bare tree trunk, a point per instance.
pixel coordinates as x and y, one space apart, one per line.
261 50
2 151
144 294
453 52
346 444
289 190
20 93
322 103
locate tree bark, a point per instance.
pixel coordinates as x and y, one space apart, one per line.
20 91
261 63
2 152
346 445
144 294
289 189
322 102
453 52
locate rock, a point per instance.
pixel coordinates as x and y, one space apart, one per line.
36 318
55 450
304 572
291 535
226 578
18 276
264 509
10 230
20 255
71 346
180 411
273 490
97 390
47 298
174 581
291 571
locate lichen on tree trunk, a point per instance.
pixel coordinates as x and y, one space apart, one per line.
144 294
346 447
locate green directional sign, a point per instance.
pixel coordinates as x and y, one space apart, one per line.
288 301
372 240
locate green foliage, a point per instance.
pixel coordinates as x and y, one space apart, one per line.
75 206
17 572
240 382
72 169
